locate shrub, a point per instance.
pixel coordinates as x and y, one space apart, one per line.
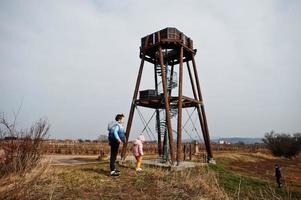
282 144
103 138
25 152
20 156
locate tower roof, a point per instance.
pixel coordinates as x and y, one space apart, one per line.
167 35
170 39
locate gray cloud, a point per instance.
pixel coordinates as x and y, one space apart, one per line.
76 62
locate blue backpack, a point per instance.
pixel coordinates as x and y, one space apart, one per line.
111 127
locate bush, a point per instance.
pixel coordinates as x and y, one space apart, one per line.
25 152
282 144
103 138
20 157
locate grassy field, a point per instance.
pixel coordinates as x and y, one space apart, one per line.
235 176
251 176
93 182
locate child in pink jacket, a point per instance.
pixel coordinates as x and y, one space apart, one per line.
138 151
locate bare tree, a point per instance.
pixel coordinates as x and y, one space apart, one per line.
20 154
25 152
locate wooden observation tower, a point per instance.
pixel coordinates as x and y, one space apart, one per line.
165 50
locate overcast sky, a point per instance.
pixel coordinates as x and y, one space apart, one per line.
76 62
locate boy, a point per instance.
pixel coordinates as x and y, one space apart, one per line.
278 175
116 137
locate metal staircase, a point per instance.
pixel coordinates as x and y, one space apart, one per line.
172 82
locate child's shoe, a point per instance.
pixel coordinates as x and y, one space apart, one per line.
114 173
117 171
139 170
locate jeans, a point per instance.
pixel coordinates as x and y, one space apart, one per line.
114 151
278 179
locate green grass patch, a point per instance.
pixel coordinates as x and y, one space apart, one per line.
231 181
248 187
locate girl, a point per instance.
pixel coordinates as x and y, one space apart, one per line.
138 151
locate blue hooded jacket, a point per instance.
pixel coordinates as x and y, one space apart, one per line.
116 132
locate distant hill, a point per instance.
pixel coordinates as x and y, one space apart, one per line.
233 140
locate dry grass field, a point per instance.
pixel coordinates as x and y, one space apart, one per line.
235 176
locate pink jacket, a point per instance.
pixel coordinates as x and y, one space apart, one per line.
137 148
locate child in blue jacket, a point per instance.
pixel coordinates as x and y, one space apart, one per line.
116 137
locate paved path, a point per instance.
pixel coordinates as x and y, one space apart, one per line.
72 159
77 159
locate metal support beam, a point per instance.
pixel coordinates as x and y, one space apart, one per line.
171 79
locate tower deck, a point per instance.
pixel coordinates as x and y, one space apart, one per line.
170 39
157 102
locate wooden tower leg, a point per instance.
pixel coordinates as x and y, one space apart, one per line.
191 81
133 105
207 139
180 97
166 103
196 98
158 115
159 132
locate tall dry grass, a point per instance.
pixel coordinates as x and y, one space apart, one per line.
21 154
196 183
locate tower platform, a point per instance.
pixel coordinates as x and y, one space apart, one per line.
168 38
157 102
